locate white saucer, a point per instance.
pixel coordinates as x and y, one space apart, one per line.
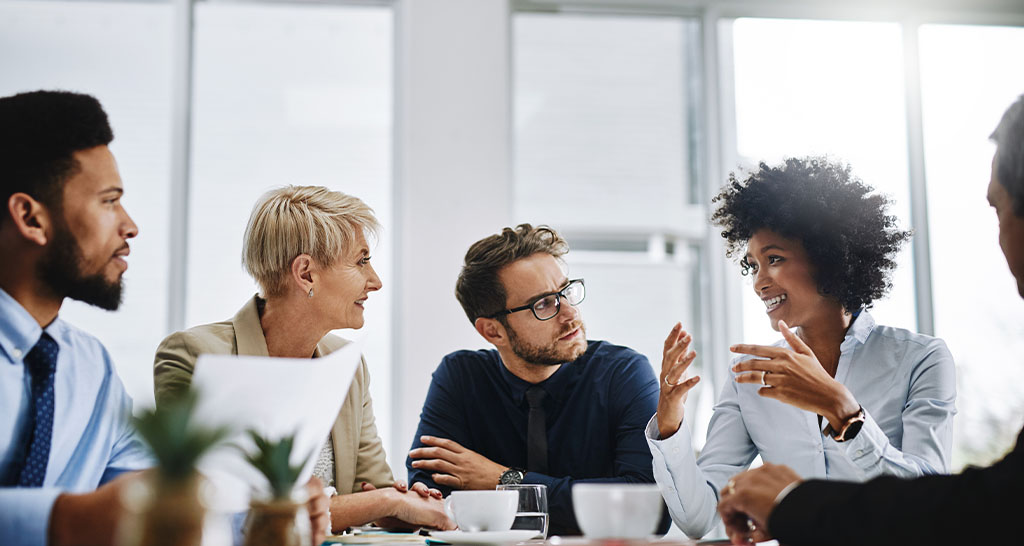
484 537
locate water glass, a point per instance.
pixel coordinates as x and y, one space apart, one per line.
533 507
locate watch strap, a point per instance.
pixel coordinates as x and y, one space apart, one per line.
849 429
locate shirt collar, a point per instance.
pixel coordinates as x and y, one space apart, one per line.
555 386
19 331
861 327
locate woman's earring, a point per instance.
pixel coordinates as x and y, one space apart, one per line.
311 292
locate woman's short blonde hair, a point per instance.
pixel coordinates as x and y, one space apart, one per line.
294 220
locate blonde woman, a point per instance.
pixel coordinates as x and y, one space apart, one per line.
306 248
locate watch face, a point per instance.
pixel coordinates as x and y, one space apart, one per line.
511 476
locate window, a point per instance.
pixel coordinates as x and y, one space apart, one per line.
604 153
288 94
119 53
831 88
967 84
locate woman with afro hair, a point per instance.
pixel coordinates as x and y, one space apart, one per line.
839 397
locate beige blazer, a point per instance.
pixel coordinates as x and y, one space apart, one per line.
358 451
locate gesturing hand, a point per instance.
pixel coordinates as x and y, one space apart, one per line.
456 466
796 378
674 362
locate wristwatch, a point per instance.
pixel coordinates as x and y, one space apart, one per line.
849 429
512 476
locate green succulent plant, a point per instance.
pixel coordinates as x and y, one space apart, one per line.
271 459
174 439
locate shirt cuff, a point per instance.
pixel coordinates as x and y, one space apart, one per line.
25 515
785 491
866 449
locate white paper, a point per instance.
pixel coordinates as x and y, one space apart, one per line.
275 397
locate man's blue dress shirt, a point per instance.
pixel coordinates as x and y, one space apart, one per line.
596 409
93 440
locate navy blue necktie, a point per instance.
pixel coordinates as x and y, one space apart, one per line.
536 431
41 363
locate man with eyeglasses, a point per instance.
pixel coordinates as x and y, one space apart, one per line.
545 406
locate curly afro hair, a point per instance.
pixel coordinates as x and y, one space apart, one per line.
849 238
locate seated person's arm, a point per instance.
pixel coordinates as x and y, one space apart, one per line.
441 418
927 446
173 365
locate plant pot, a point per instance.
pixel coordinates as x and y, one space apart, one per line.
280 522
162 512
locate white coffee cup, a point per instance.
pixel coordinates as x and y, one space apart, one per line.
475 511
617 510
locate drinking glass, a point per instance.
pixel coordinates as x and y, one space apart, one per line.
533 507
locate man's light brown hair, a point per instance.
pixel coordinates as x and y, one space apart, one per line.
478 288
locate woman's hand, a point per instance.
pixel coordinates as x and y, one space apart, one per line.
400 485
674 362
414 509
796 378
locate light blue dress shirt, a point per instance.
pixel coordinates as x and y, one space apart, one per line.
93 440
906 383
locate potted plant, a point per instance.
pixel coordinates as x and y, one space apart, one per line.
281 519
165 508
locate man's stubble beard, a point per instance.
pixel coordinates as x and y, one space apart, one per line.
547 355
61 270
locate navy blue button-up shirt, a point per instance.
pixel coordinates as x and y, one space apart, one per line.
596 409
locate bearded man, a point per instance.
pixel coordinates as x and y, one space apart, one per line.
545 406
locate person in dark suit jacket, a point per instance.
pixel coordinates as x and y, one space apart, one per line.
978 505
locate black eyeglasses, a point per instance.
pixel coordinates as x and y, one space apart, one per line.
547 306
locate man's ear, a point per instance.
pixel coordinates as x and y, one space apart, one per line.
302 272
30 218
492 330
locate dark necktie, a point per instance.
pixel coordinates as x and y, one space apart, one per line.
536 432
41 363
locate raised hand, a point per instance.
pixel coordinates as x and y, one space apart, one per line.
674 387
795 376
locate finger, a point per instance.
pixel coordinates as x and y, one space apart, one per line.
366 486
678 349
676 371
421 489
757 365
447 480
685 386
794 340
436 493
450 445
764 351
673 335
432 453
436 465
774 393
751 378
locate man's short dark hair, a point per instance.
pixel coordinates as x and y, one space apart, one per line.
1009 163
479 289
39 133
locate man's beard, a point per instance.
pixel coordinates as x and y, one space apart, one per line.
61 270
547 355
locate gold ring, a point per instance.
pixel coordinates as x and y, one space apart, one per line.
763 375
730 487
